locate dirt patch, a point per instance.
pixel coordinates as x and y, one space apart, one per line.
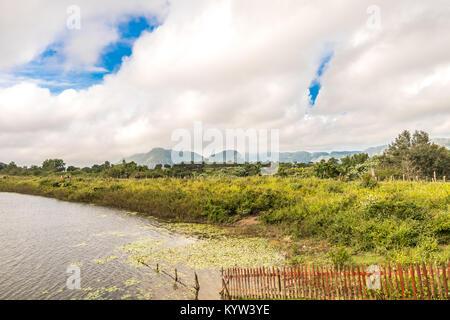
247 222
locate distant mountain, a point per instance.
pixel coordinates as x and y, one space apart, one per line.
166 156
342 154
163 156
445 142
375 151
300 156
226 156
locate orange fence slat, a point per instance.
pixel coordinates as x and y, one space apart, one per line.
444 278
409 281
419 281
413 281
432 280
427 282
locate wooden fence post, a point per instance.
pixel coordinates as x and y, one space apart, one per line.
304 285
448 272
402 283
419 280
444 277
197 286
359 283
432 280
342 282
230 283
246 281
413 280
226 293
316 281
386 291
390 284
249 281
349 282
279 283
439 280
328 295
397 284
256 281
292 282
405 274
427 283
269 282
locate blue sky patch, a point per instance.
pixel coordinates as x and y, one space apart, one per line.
129 31
47 70
314 88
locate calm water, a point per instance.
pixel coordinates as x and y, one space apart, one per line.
40 238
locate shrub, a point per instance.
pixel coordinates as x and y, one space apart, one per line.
403 218
368 182
340 256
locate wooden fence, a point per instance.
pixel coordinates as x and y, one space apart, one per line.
420 281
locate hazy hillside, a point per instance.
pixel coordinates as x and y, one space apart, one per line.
161 156
226 156
164 156
374 151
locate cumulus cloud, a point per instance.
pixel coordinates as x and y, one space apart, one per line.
27 27
230 64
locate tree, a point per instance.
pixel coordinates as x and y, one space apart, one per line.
353 160
54 165
429 158
12 165
420 138
416 156
357 165
329 169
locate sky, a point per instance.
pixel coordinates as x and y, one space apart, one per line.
329 75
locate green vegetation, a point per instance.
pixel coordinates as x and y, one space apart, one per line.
332 210
416 156
410 157
407 221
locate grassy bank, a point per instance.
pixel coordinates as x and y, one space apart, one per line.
311 218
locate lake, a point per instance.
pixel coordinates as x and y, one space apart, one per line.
40 238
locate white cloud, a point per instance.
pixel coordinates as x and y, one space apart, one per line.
230 64
27 27
84 48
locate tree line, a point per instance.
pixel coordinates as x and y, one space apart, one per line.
408 156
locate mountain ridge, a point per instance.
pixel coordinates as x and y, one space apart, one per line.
161 156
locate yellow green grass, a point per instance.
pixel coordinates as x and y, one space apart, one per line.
312 219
